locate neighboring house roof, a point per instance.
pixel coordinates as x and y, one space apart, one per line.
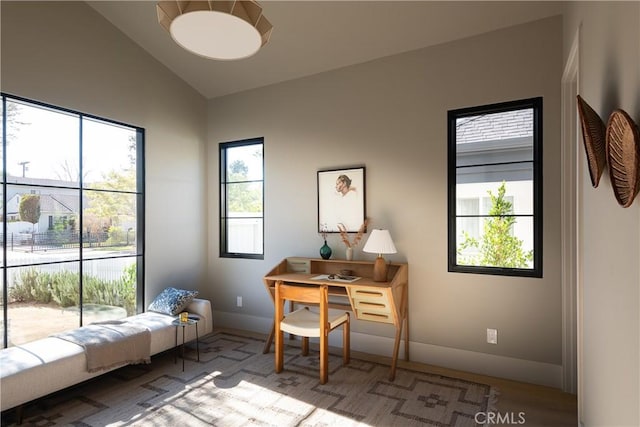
60 204
495 147
495 126
12 179
53 201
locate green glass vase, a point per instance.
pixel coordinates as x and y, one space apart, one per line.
325 251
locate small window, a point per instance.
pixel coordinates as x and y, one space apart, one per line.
495 189
242 199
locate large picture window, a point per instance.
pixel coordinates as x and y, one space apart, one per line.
241 199
495 189
71 220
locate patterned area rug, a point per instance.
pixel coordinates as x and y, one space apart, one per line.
234 384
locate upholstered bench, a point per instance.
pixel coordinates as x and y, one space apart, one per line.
41 367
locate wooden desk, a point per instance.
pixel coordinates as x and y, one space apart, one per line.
383 302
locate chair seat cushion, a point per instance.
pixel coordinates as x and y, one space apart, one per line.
306 323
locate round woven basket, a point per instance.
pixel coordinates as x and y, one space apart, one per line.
623 156
593 135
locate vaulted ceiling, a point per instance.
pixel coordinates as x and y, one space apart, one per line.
310 37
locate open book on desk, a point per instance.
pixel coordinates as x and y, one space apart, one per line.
336 278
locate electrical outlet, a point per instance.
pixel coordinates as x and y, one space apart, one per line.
492 336
239 301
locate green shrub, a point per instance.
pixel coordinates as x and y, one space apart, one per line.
19 293
30 286
116 236
127 288
41 291
63 288
119 293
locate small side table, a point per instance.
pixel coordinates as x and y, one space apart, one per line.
177 323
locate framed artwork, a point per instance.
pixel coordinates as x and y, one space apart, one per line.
341 199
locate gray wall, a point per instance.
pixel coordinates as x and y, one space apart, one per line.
390 115
66 54
609 78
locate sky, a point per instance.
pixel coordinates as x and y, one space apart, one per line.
48 140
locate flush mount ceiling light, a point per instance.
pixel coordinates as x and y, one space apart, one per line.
223 30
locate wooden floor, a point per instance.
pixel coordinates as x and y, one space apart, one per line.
517 401
536 405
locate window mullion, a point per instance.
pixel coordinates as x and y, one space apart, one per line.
5 278
81 222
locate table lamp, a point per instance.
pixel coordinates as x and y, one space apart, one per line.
380 242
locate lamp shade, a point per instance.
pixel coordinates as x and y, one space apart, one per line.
216 29
380 242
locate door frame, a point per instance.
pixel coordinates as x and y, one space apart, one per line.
571 188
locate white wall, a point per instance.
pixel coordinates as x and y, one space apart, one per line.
391 115
66 54
609 78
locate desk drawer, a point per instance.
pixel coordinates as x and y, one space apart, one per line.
371 304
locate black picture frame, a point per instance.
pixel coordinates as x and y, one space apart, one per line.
341 199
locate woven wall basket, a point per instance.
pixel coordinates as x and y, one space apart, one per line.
623 156
593 135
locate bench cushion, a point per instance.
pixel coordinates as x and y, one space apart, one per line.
40 367
28 367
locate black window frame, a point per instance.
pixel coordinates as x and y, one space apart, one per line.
224 238
537 105
140 205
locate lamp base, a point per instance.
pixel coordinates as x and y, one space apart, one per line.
380 270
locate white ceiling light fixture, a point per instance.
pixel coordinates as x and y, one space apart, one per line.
215 29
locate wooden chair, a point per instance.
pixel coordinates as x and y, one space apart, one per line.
305 323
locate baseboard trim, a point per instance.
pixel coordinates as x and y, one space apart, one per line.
510 368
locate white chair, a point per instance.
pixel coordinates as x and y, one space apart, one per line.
306 324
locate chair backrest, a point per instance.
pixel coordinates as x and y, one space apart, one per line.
303 294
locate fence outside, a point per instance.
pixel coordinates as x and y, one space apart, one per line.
35 242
